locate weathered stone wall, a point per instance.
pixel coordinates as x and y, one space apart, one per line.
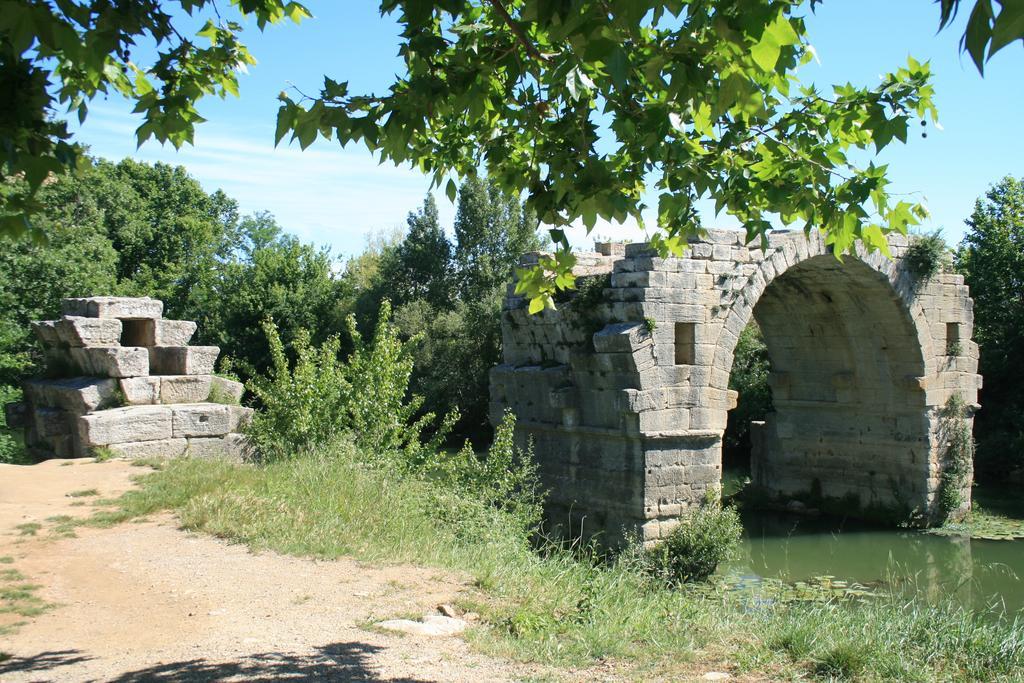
121 377
626 396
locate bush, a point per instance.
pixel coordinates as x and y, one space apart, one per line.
11 451
302 407
506 479
313 404
926 255
695 548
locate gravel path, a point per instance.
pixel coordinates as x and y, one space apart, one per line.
148 602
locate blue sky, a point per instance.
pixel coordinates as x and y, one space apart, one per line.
338 197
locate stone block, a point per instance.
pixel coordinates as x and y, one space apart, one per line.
159 332
46 333
50 422
223 390
240 417
125 425
78 331
161 448
185 388
202 419
112 361
232 446
113 307
183 360
140 391
80 395
621 337
16 415
57 446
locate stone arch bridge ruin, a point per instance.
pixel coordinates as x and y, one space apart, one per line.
624 389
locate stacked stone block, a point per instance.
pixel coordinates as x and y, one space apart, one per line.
627 398
123 379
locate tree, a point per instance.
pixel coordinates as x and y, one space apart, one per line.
492 230
168 232
286 281
80 260
65 53
422 263
578 103
991 258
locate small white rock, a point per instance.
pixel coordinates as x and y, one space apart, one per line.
716 676
430 625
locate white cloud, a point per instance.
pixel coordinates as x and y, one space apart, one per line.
324 194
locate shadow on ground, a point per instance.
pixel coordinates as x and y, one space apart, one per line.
335 662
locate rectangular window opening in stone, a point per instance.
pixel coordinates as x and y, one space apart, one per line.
953 339
685 342
136 332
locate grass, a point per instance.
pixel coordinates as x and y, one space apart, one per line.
84 493
568 609
103 454
28 528
997 514
18 597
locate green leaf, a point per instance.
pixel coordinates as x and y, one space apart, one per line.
776 35
1008 26
451 190
978 33
617 64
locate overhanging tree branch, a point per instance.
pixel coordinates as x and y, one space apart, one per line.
530 48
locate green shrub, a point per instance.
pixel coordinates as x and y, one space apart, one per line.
505 479
926 255
957 457
320 399
378 411
302 408
695 548
11 451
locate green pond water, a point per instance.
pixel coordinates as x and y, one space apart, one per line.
983 574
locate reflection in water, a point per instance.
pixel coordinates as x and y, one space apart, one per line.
983 574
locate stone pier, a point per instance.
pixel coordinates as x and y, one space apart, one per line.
624 390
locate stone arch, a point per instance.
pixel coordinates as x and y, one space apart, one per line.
626 400
850 428
900 284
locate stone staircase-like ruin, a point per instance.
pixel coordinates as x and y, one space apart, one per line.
121 379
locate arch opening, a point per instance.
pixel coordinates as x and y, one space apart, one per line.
848 429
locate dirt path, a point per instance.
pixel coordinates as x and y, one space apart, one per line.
146 601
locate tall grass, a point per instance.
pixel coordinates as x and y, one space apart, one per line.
567 608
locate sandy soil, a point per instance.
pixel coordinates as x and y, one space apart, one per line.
146 601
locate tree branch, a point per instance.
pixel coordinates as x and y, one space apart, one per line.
530 48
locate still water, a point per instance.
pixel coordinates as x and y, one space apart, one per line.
986 575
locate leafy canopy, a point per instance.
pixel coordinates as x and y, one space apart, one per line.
582 104
63 53
991 258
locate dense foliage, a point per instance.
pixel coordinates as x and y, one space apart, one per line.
926 256
749 378
151 230
705 538
64 54
580 104
450 292
991 258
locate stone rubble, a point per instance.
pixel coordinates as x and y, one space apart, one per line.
122 378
